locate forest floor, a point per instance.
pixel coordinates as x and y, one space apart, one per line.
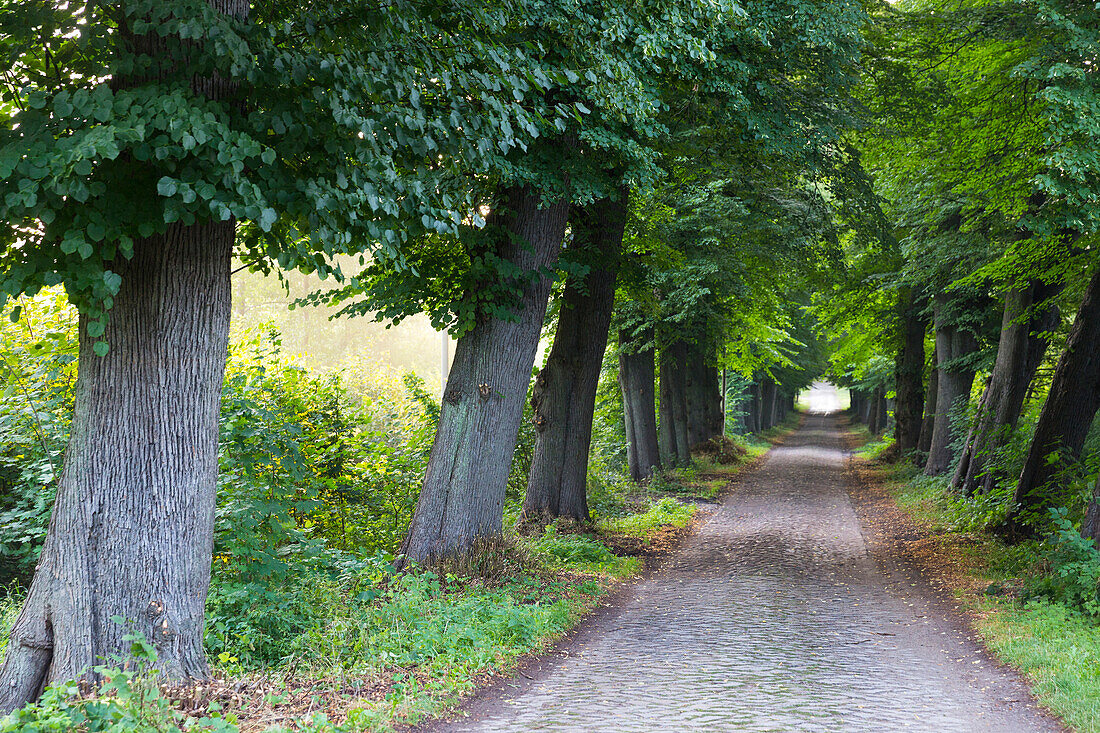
789 609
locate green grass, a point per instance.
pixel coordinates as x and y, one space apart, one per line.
427 639
665 513
1056 647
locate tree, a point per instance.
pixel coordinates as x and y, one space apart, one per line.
1064 421
129 162
564 398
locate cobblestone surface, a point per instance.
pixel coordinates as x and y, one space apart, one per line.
773 618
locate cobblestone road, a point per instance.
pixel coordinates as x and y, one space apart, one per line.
773 618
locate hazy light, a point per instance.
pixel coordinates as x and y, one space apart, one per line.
822 397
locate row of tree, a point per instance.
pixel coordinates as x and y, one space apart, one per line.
666 158
983 152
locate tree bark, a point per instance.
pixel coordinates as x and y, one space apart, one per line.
1065 419
767 403
954 385
132 528
462 497
636 379
752 411
564 398
909 377
704 399
929 421
855 406
1019 353
874 426
672 428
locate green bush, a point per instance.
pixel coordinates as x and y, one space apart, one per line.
667 511
1070 568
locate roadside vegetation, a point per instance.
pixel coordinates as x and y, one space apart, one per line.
1035 603
309 625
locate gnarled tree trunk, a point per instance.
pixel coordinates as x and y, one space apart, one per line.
462 497
954 384
1019 354
564 398
132 528
636 378
1066 416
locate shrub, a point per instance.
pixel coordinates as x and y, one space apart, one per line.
1070 568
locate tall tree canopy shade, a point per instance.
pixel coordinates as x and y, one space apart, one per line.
126 174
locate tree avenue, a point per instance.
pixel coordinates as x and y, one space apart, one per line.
691 209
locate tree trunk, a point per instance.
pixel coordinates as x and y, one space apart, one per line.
929 421
752 411
132 528
462 497
909 378
672 429
636 378
873 425
1019 354
1065 419
767 403
855 405
955 383
564 398
704 399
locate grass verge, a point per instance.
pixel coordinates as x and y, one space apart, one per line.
1055 647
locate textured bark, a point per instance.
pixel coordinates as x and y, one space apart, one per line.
636 377
704 399
672 428
909 377
954 385
1020 351
462 497
929 421
564 398
132 527
1066 416
131 532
